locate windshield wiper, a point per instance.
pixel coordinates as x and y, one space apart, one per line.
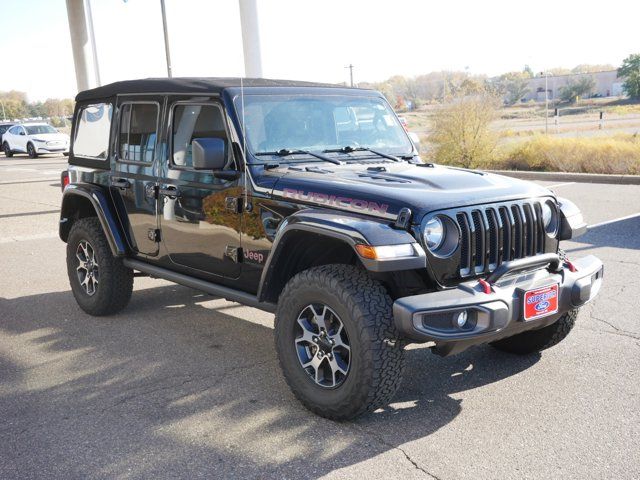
286 152
349 149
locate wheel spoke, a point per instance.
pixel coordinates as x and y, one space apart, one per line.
322 345
319 317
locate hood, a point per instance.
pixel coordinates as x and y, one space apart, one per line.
383 189
51 136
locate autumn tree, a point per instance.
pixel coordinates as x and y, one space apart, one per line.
462 132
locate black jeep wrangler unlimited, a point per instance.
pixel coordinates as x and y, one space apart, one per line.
310 201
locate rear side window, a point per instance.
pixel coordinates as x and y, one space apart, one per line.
138 132
190 122
92 131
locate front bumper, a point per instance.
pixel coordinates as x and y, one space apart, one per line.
55 148
495 310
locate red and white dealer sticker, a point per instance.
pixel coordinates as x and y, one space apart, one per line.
541 302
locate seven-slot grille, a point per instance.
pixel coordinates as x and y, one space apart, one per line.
493 234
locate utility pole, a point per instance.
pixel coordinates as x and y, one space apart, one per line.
546 102
4 116
350 67
166 38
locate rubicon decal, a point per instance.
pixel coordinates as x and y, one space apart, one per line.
336 201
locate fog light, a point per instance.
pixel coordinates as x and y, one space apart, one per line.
461 319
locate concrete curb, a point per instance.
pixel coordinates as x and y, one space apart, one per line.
571 177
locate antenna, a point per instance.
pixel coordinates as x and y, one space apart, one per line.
244 148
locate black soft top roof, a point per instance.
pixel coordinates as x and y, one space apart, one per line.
195 85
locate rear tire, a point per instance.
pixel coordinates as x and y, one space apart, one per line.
31 151
101 284
374 360
537 340
7 151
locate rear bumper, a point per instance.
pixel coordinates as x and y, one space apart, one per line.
494 311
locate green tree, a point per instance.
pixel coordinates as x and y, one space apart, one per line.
630 72
574 89
588 68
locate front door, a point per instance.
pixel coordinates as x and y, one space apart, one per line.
133 179
201 234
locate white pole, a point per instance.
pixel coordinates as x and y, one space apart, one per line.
81 45
166 38
92 38
251 38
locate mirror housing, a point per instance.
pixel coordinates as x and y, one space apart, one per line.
209 153
22 132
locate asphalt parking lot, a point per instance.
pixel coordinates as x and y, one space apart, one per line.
183 385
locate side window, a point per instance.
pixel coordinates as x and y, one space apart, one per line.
138 132
92 131
13 130
190 122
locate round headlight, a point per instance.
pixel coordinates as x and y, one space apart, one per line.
434 233
547 213
549 218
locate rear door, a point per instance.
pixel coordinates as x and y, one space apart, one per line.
133 178
200 231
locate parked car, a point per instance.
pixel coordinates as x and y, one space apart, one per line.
310 201
3 128
34 139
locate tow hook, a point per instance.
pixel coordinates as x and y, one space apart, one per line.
486 286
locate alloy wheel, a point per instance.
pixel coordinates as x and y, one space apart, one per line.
87 269
322 345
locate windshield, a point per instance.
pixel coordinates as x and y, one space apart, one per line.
321 122
36 129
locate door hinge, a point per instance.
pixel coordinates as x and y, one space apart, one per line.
233 204
234 253
153 234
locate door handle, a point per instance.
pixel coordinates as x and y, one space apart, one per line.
170 191
121 183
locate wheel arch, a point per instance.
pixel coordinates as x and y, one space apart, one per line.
86 200
314 237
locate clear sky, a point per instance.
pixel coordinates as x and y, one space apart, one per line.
314 39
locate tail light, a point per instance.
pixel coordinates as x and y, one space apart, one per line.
64 179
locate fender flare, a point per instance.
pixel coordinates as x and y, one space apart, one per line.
352 230
104 209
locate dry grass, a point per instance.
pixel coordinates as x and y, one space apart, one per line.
613 155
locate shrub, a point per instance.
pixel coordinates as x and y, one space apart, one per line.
612 155
462 134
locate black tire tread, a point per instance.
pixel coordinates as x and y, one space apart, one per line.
371 307
116 280
536 340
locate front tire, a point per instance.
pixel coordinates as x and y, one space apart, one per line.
100 283
533 341
336 341
31 151
7 150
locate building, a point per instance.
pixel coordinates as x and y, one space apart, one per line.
607 84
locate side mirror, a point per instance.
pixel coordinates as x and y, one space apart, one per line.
209 153
22 133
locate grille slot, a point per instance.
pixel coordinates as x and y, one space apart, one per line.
499 233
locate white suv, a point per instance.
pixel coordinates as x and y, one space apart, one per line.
34 139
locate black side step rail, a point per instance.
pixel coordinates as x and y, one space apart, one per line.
208 287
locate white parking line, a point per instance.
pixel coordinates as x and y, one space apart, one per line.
22 238
561 184
601 224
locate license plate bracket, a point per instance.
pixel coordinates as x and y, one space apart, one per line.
540 302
